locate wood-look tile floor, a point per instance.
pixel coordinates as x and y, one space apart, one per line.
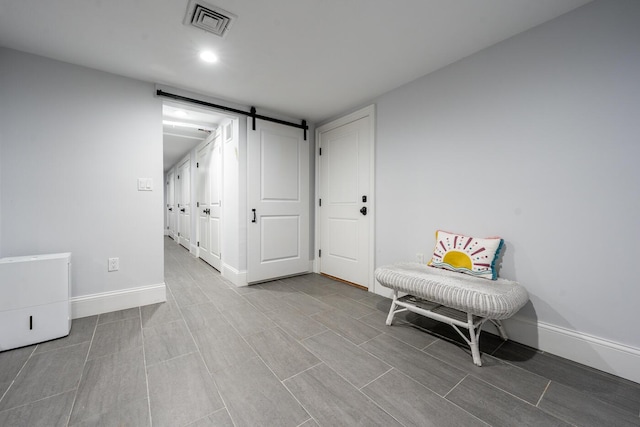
302 351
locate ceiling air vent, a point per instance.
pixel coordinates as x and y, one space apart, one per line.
209 18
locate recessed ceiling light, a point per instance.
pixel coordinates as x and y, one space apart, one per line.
208 56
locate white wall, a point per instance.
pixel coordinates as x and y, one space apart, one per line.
534 139
74 142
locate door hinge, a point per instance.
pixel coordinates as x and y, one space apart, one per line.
197 165
320 151
319 253
178 234
197 204
178 176
319 202
198 244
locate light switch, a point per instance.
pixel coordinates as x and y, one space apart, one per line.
145 184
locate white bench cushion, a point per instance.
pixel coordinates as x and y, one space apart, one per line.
491 299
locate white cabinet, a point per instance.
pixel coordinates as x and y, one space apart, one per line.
34 299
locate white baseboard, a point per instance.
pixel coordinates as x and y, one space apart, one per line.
598 353
90 305
238 278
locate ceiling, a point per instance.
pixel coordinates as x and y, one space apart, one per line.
305 59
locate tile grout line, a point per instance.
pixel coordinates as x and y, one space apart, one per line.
303 371
296 398
460 407
379 376
84 365
542 395
452 388
146 372
18 373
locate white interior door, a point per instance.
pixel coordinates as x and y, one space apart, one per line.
215 204
278 201
209 200
345 191
171 204
184 175
203 157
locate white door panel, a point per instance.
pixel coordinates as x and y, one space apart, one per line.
345 191
282 229
278 200
280 167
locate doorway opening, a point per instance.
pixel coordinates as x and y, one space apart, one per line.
193 139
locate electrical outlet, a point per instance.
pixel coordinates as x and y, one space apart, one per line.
114 264
420 258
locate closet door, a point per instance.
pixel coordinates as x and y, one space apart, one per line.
184 210
171 204
277 200
209 175
345 215
203 157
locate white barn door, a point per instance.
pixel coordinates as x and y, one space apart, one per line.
277 200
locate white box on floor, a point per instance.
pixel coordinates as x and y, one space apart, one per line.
34 299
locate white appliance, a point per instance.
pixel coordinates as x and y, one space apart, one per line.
35 303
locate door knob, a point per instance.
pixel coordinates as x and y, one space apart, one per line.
363 211
182 210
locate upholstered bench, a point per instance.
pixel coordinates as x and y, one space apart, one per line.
461 300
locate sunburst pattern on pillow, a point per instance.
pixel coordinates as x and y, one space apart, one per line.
464 254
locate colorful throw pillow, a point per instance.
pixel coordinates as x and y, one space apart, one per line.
465 254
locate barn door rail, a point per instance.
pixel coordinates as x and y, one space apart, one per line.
252 113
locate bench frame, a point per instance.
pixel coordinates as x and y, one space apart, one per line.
456 318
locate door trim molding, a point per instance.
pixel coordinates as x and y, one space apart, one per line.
368 111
